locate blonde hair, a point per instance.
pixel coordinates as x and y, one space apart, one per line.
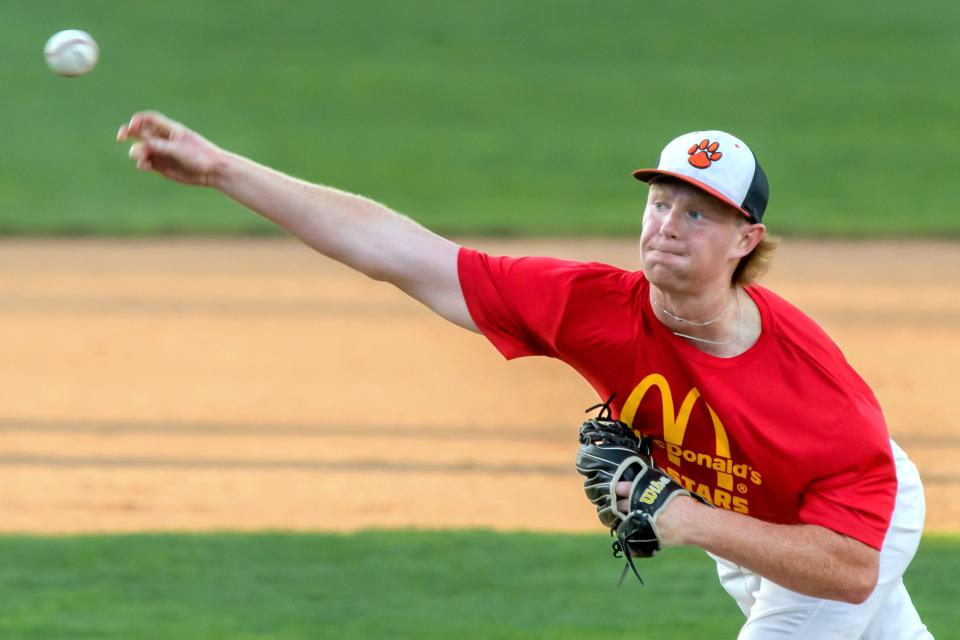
755 264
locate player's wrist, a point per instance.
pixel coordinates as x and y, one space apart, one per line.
222 168
679 523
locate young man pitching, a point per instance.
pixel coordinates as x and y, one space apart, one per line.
813 514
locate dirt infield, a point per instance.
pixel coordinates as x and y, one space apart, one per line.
188 385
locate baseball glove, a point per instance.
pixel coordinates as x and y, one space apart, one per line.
610 452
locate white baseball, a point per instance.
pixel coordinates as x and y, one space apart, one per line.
71 53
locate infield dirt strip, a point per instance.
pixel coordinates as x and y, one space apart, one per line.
249 384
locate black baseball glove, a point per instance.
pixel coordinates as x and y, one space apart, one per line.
610 452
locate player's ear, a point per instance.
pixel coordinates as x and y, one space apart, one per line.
749 236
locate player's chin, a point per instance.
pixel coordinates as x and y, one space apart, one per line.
663 276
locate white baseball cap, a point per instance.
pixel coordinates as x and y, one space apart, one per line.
720 164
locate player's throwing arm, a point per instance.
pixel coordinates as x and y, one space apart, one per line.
351 229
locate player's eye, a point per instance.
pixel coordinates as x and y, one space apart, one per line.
696 215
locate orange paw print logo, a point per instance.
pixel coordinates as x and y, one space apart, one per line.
704 154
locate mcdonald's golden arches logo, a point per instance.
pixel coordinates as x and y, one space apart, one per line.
675 425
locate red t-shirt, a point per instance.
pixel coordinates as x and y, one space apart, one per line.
786 432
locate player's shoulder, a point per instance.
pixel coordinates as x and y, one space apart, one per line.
594 274
797 333
794 329
819 369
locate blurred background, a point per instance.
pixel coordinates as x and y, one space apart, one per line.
498 117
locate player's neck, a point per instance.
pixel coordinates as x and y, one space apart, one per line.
680 309
723 322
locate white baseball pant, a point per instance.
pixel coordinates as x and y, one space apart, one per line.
775 613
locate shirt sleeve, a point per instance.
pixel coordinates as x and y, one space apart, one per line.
538 306
856 488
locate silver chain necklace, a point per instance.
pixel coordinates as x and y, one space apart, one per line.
735 337
691 322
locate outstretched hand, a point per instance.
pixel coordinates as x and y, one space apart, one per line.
171 149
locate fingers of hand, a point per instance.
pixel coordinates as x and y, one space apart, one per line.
158 145
623 491
139 153
147 147
148 123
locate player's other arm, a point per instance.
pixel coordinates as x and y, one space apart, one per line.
356 231
808 559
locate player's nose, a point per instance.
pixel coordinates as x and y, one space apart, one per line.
670 223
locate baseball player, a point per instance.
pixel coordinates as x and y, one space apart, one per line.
811 512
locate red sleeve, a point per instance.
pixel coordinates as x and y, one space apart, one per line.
856 488
539 306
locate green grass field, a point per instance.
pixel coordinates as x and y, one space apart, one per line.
404 584
495 117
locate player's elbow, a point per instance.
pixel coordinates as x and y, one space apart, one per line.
860 584
855 569
858 594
